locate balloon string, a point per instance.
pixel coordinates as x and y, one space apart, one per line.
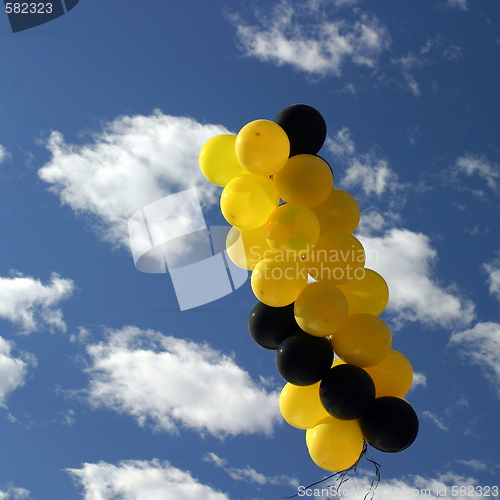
341 476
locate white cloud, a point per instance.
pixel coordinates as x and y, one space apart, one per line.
172 382
435 420
474 464
4 154
406 260
373 222
307 39
132 162
368 171
139 480
30 304
249 474
459 4
414 134
480 165
13 370
407 64
493 270
14 493
341 144
419 379
481 346
447 50
372 174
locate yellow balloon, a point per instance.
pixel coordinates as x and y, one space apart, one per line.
218 161
292 227
337 258
363 340
300 406
262 147
335 445
320 309
339 212
247 247
393 376
277 282
305 179
247 201
369 293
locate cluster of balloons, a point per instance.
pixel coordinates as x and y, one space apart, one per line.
293 230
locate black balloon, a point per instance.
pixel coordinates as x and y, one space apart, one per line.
270 326
304 359
390 424
305 127
346 391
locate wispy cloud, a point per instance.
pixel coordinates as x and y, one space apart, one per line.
419 379
13 370
139 480
27 302
11 492
493 270
431 417
171 383
446 49
481 346
368 171
470 164
407 64
305 37
4 154
474 464
457 4
249 474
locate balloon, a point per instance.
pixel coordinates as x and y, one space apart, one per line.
247 201
303 359
277 282
218 161
369 293
335 445
337 258
362 340
346 391
339 212
262 147
269 326
292 227
305 179
393 376
300 406
305 127
390 424
321 309
247 247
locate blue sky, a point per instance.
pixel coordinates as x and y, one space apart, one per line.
107 389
